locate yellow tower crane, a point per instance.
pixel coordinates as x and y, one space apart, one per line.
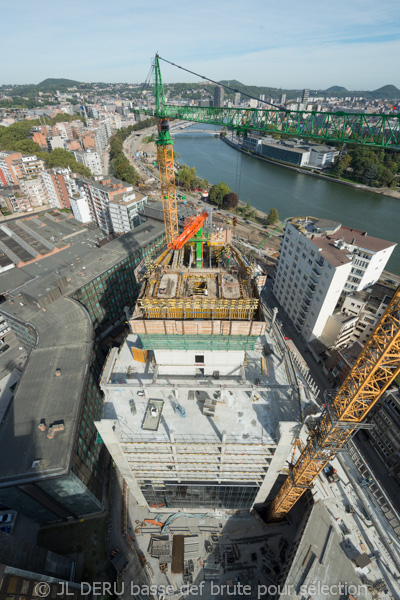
165 157
375 369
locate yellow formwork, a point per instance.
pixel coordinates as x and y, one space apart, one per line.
198 308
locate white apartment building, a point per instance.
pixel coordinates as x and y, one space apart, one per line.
124 211
319 261
80 208
102 135
91 160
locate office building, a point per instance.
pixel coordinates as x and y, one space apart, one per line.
305 96
218 96
319 261
51 464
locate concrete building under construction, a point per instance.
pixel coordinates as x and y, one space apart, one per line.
201 403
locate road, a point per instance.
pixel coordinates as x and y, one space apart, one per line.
14 357
288 328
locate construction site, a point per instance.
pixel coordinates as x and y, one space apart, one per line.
229 463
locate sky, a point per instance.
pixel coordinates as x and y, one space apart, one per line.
291 44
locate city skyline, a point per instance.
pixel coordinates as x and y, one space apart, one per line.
289 47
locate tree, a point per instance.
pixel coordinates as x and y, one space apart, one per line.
217 193
230 200
273 217
187 177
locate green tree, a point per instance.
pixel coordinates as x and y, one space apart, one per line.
187 177
62 158
273 217
217 192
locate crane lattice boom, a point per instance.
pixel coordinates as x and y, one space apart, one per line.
374 371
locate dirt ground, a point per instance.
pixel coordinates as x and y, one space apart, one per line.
86 543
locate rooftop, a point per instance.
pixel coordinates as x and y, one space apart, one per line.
339 234
64 342
235 410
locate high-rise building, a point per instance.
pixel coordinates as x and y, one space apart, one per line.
99 194
193 420
124 211
55 182
282 99
218 96
320 260
304 97
237 99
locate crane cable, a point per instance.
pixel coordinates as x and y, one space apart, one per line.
227 87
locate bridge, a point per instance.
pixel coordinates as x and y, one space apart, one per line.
209 131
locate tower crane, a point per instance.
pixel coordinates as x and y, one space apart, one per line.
374 130
375 369
379 362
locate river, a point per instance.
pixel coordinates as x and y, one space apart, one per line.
293 194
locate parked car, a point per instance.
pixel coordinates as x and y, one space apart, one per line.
4 348
140 393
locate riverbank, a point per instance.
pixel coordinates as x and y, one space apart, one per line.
381 191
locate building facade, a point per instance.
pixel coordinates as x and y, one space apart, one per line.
60 473
319 261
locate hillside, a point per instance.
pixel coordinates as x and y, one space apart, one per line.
57 84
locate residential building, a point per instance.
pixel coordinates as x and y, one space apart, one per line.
124 211
28 166
35 190
319 261
14 199
56 141
7 173
236 101
282 99
99 195
91 160
55 181
218 96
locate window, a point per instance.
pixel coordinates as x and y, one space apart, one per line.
199 358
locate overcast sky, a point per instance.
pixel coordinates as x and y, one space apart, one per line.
289 44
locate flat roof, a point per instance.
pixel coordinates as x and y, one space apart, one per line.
65 337
235 412
321 560
83 260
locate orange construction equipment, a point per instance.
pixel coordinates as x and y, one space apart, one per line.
154 522
377 366
194 225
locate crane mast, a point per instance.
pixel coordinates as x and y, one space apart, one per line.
375 369
165 158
